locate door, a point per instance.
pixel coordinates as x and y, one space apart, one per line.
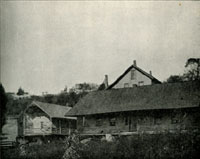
132 124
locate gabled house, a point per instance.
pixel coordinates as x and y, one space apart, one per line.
134 76
154 108
41 119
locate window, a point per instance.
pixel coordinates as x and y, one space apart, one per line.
126 120
141 83
157 121
134 85
133 74
112 122
157 118
175 119
126 85
85 123
42 124
98 122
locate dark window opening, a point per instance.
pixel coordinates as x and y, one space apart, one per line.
157 121
175 119
112 121
158 118
126 120
99 122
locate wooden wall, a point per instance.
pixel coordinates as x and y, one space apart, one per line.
63 126
140 121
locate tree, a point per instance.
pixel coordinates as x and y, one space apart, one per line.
84 87
174 79
102 87
193 72
50 98
20 92
3 101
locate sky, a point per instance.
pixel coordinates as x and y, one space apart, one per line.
48 45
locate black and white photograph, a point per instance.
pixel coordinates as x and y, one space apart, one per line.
102 79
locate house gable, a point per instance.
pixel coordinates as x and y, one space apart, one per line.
134 76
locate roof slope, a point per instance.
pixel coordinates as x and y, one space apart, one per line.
137 68
53 110
158 96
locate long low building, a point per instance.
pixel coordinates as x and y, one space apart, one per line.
154 108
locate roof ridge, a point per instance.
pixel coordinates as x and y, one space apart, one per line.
51 104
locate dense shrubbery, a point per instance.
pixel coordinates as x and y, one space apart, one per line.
54 150
160 146
15 107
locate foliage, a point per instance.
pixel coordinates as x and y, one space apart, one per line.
20 91
3 99
72 147
15 107
175 78
52 150
69 99
141 146
192 72
144 146
84 87
102 87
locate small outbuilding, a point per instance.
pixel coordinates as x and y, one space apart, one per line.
44 119
168 107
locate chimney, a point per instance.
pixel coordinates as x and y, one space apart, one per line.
150 72
106 81
134 63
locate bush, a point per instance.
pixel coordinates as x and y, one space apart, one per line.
143 146
54 150
159 146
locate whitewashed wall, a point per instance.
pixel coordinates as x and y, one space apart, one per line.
127 79
37 122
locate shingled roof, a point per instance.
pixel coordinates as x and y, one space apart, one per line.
53 110
154 80
158 96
